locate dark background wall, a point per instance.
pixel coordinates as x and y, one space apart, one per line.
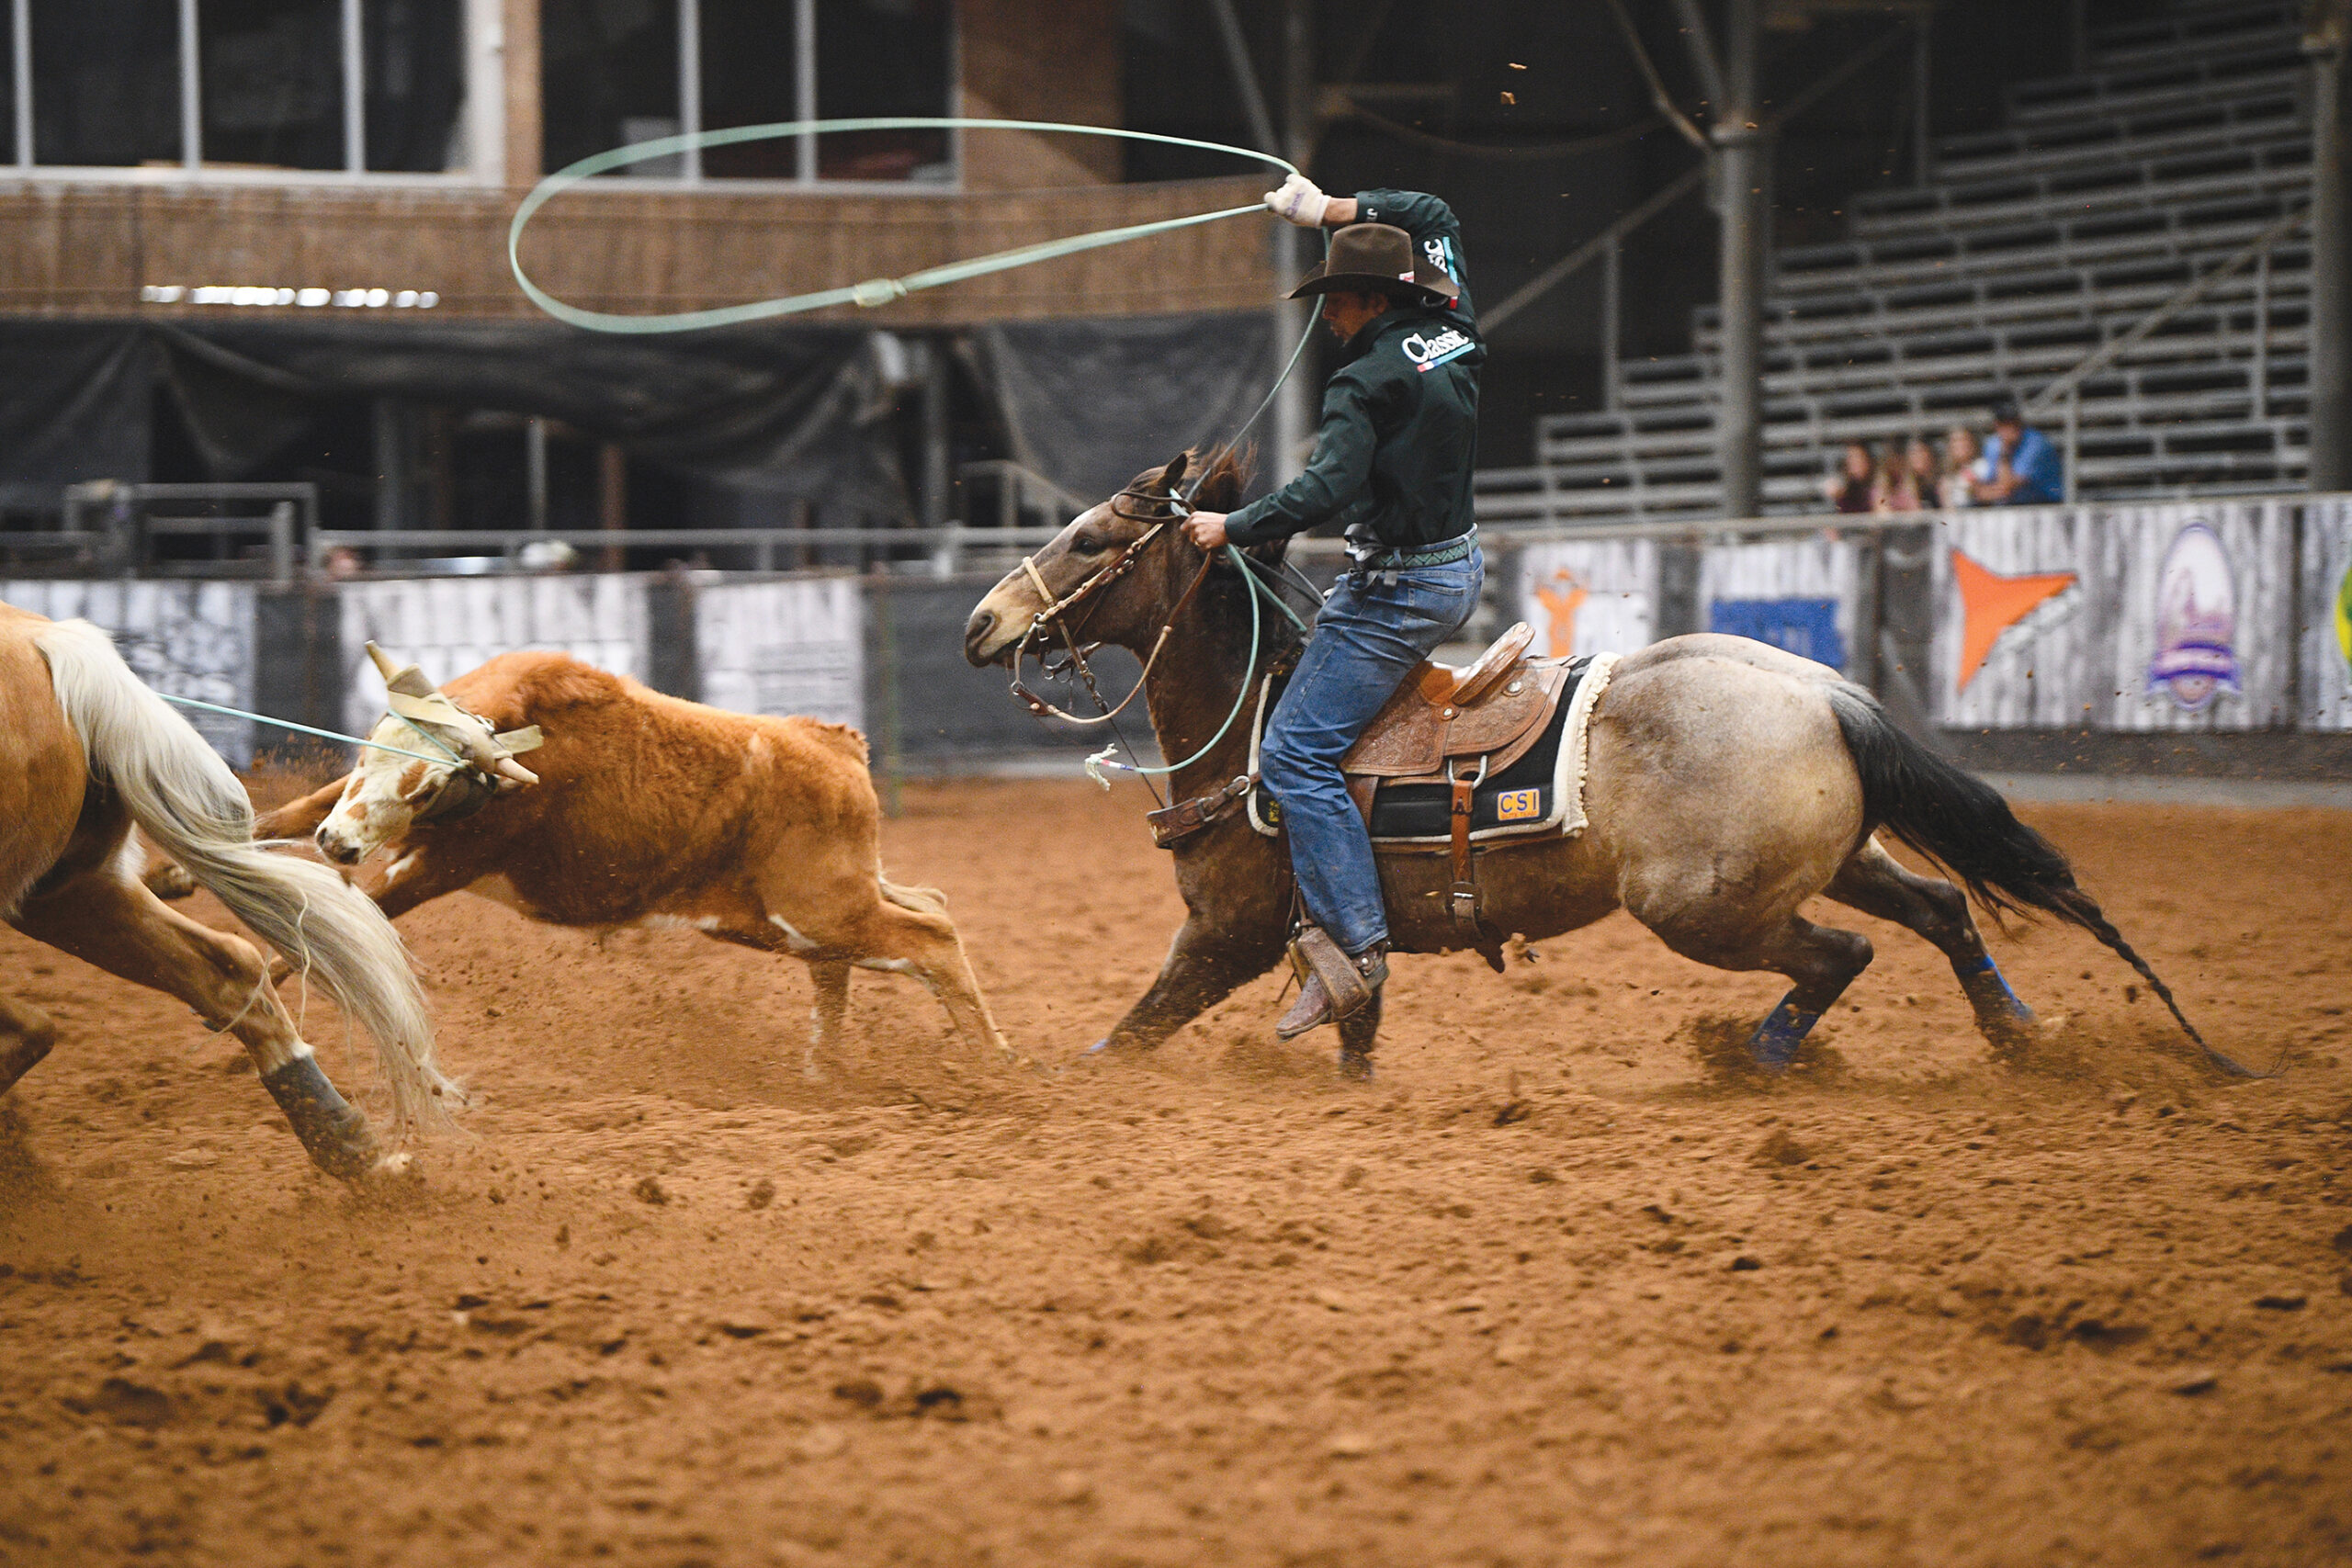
1438 74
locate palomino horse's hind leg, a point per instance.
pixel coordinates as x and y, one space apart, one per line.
1876 884
127 931
26 1035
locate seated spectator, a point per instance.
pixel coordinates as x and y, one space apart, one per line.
1962 454
1848 490
1927 473
2025 467
1902 484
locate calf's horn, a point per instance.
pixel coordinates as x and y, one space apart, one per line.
406 679
508 768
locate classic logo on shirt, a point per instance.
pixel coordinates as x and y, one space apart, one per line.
1519 806
1429 353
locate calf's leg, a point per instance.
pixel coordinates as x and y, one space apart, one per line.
827 1017
26 1035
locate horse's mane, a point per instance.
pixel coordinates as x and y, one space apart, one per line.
1220 488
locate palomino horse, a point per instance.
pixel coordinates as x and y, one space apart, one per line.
1728 782
652 811
85 753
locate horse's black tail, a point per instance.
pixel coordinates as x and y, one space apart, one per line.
1957 819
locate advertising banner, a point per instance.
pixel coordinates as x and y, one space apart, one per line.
189 639
2202 596
1589 596
2324 683
2020 640
783 648
1801 594
450 624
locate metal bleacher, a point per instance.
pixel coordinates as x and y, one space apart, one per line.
2103 196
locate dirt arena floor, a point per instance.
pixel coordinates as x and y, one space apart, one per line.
1562 1286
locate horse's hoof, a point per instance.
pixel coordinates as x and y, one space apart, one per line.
1355 1065
390 1180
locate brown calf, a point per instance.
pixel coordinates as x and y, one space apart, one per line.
649 811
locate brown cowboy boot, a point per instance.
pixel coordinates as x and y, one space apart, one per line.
1331 984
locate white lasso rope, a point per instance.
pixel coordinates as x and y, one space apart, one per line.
874 291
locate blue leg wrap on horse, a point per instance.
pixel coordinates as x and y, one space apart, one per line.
1988 992
1775 1042
335 1134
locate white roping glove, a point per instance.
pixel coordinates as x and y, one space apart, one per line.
1298 202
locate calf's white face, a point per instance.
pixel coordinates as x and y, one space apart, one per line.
385 795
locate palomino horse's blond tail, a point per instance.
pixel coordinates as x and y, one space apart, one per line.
187 802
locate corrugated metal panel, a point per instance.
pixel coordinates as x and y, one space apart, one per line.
450 626
189 639
783 648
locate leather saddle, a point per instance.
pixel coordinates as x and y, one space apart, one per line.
1456 728
1487 715
1449 727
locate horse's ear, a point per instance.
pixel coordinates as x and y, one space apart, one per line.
1174 472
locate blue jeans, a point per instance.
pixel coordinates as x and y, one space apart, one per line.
1368 637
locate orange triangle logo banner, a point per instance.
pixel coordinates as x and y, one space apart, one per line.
1992 603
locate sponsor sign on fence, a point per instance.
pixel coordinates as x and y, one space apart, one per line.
2019 619
2203 604
1801 594
449 626
1589 596
2324 687
189 639
794 647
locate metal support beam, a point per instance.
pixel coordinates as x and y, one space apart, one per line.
1742 158
1922 151
2331 269
1613 316
391 464
937 457
690 85
535 471
191 93
20 70
1245 76
1295 249
355 91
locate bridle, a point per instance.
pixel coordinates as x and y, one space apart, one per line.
1055 616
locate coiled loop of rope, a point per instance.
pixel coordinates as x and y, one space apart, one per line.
874 291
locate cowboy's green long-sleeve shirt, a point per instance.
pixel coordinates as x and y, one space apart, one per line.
1399 434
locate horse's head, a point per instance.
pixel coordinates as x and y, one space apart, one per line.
1137 574
431 761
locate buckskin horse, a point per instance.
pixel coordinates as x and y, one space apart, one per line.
639 809
86 752
1725 782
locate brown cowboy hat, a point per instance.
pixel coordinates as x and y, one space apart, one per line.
1377 258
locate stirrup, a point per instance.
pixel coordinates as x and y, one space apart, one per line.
1345 985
